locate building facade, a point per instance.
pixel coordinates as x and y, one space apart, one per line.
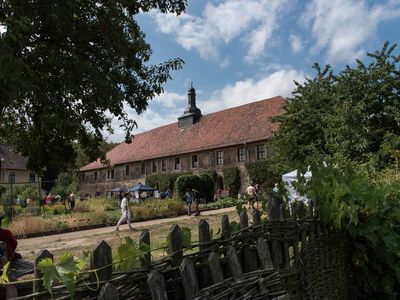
13 168
195 143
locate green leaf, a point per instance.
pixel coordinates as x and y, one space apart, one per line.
186 237
50 273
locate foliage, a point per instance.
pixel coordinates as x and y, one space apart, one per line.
207 186
261 172
346 197
65 271
225 202
352 116
84 60
163 181
128 254
156 208
190 182
232 178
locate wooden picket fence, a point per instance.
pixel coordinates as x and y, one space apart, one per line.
293 258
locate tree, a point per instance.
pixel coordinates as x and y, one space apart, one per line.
67 68
353 116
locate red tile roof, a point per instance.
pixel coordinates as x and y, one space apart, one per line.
10 159
234 126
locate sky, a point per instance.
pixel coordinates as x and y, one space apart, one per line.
241 51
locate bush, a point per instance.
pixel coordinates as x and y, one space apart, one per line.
222 203
156 208
203 183
163 181
232 178
261 172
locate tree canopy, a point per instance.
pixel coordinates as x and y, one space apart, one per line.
68 67
351 116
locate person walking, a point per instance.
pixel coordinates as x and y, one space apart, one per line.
251 194
189 200
125 213
71 201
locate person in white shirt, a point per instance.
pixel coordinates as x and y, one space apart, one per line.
251 194
125 213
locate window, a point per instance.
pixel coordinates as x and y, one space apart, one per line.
32 177
163 165
11 177
95 176
154 166
177 163
261 151
110 174
195 162
242 154
220 158
142 168
127 170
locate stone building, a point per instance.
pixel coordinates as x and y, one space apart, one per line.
196 142
13 168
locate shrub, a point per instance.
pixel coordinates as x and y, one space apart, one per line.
156 208
208 186
261 172
232 178
187 182
225 202
163 181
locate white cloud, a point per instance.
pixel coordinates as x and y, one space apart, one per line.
170 99
253 21
342 26
296 43
250 90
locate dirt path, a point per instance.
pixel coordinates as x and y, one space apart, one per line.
87 239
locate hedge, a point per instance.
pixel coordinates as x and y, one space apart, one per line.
164 181
232 178
203 183
261 172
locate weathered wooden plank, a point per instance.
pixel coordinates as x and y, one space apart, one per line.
234 263
264 255
38 285
276 254
311 208
303 239
217 273
144 239
293 210
204 235
244 220
175 245
108 292
157 287
225 227
189 279
102 260
285 256
301 212
256 217
204 239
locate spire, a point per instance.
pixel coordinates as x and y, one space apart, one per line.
191 114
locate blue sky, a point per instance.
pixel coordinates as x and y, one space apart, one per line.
240 51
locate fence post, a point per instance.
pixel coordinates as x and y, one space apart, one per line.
204 239
301 210
248 255
264 254
234 263
157 287
256 217
244 220
108 292
189 280
175 245
38 285
225 227
215 267
102 260
144 239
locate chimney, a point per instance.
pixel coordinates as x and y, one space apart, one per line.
191 114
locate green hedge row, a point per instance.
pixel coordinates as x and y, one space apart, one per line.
164 181
232 178
261 172
204 183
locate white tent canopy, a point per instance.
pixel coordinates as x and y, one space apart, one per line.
288 179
